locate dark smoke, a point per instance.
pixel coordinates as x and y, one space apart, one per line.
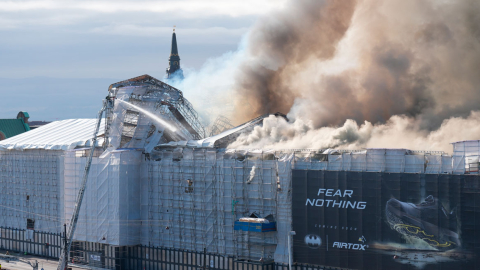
279 45
329 61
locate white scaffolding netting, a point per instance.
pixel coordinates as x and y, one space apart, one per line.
188 199
31 188
194 198
110 212
376 160
466 156
185 198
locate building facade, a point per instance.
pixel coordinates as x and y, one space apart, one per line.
160 199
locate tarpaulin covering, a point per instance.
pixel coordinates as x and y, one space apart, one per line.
58 135
110 211
31 184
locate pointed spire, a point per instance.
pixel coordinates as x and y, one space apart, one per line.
174 49
174 59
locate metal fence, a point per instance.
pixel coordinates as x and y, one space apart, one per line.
304 266
139 257
158 258
43 244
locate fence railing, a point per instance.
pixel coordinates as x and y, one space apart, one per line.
304 266
42 244
156 258
45 244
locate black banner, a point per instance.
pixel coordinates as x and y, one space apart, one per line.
367 220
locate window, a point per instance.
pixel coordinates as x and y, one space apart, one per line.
28 197
30 224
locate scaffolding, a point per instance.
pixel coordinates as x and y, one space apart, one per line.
375 160
110 212
129 128
195 197
466 156
221 124
31 186
181 198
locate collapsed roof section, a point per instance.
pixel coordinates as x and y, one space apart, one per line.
129 125
223 139
220 125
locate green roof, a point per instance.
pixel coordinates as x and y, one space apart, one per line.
12 127
26 114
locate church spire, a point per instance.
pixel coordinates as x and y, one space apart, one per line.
174 49
173 69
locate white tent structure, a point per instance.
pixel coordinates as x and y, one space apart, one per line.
31 173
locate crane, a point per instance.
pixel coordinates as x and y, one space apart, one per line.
108 103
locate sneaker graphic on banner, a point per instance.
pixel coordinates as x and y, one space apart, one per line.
428 221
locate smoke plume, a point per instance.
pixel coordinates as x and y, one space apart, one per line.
365 73
399 132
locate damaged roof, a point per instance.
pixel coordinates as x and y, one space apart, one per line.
222 140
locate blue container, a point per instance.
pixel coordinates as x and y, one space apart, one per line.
255 227
240 226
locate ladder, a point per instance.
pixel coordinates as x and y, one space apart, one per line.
63 263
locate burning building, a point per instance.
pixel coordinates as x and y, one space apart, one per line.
161 194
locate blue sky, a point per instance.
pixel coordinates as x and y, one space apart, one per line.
57 58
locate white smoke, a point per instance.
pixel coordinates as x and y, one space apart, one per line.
210 89
398 132
252 175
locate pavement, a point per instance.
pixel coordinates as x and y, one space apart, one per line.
46 264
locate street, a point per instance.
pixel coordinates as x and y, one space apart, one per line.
42 263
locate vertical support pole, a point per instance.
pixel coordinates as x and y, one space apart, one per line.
204 258
65 245
290 235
